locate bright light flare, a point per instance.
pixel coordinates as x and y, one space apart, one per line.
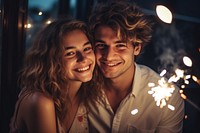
151 84
181 91
28 26
196 79
171 107
187 61
187 76
186 82
163 72
161 92
40 13
182 86
134 112
179 73
186 117
175 78
164 13
183 96
48 22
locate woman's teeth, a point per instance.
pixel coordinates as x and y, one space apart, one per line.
83 69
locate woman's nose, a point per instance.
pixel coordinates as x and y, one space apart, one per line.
80 56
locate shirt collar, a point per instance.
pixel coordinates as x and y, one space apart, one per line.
136 81
135 85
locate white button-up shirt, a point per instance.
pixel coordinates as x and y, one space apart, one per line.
138 112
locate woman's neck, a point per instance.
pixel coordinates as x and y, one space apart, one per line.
70 91
73 90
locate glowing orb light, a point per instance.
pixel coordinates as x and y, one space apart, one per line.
48 22
40 13
28 26
164 13
187 61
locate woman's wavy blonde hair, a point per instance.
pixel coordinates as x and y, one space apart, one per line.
44 69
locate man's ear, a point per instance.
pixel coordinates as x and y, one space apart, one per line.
137 49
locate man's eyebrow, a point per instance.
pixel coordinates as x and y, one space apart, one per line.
99 41
120 41
72 47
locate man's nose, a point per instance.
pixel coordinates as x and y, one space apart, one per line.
109 53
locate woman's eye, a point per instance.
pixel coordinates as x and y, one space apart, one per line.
69 54
88 49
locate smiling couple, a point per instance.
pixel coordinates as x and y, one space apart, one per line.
78 79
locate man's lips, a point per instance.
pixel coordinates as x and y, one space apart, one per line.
111 64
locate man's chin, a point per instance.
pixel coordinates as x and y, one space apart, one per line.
109 75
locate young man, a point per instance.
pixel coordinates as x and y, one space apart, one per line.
121 31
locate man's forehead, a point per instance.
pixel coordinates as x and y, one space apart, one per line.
105 31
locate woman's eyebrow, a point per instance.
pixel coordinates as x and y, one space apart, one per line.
69 47
73 47
87 43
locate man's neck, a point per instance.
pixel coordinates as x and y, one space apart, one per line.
121 83
117 89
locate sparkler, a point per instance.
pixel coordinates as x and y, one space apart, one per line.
161 92
189 101
166 16
164 90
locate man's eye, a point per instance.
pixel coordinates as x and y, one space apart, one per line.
100 46
121 45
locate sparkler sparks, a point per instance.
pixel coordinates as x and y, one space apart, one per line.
171 107
164 90
134 112
196 79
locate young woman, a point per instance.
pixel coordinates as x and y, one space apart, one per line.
52 98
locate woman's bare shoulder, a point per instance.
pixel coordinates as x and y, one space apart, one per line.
38 100
39 112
